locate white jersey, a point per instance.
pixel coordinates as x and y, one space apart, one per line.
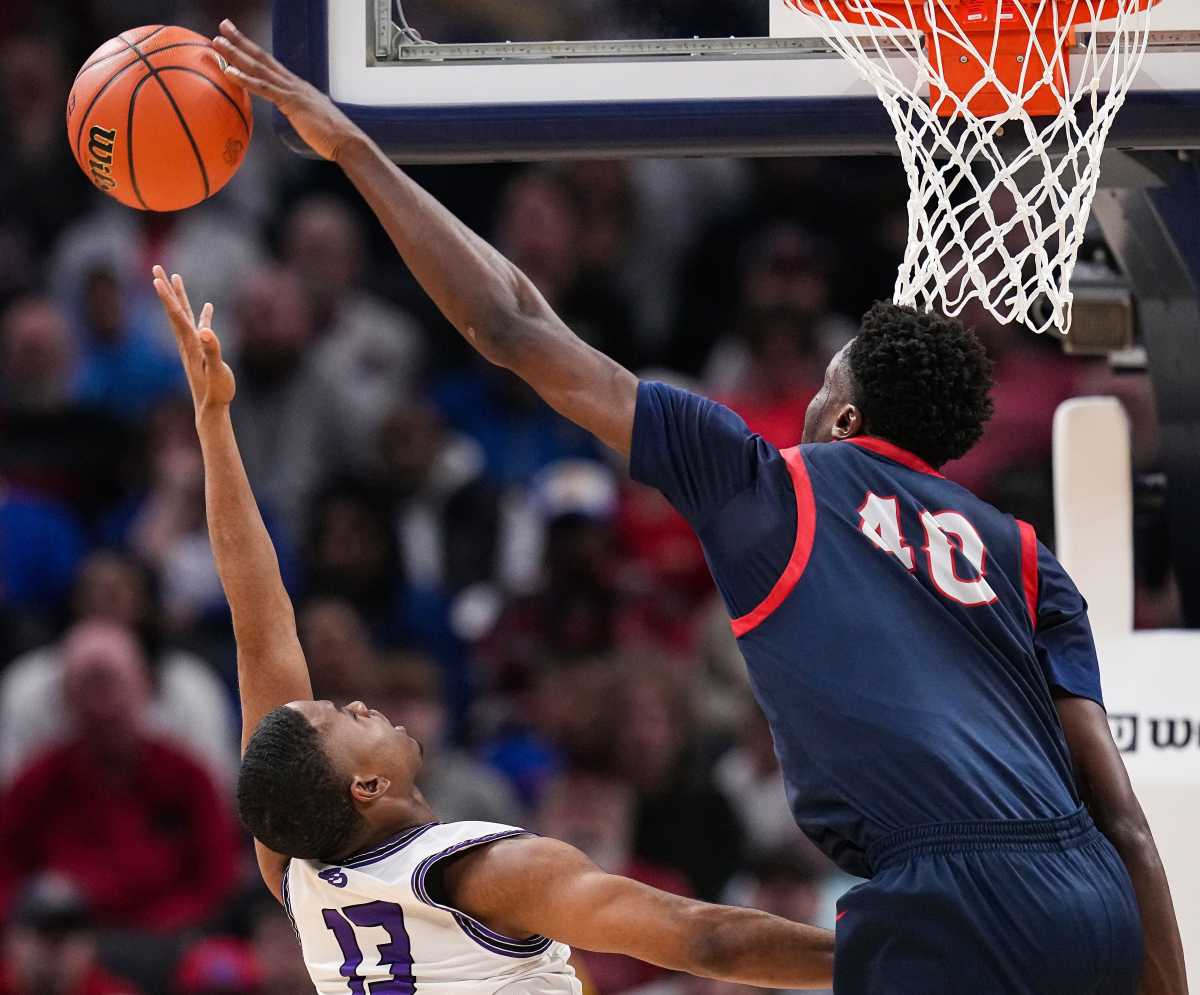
369 926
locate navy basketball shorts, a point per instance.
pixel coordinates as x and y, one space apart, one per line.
991 908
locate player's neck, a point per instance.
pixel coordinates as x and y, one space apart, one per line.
407 815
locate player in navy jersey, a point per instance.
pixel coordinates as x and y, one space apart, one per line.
926 665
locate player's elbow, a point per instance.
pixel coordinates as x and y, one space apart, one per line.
1132 838
509 332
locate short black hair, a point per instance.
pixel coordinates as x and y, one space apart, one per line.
922 381
289 795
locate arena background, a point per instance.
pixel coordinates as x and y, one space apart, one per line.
460 556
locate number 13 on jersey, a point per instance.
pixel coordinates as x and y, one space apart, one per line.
946 532
395 957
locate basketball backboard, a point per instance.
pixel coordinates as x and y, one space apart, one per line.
787 94
1169 15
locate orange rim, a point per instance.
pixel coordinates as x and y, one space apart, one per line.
1021 46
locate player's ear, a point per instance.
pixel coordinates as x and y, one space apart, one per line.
365 790
848 422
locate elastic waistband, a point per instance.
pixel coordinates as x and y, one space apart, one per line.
1033 835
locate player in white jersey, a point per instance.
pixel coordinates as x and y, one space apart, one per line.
386 900
386 896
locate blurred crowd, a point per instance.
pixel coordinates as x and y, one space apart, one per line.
460 557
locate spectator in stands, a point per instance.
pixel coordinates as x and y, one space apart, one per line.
773 363
41 544
749 776
189 705
219 965
132 819
49 444
290 428
368 350
575 608
337 644
538 228
38 359
660 755
125 368
215 246
350 553
568 254
456 785
162 520
49 945
519 433
447 514
39 179
274 942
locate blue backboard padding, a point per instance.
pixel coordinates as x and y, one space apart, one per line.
804 126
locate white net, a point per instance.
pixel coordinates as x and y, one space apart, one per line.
1003 172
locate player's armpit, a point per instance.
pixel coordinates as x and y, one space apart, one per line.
1104 787
533 885
271 866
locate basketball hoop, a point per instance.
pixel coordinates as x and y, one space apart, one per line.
1001 113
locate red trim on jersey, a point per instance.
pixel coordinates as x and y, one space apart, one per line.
894 452
1029 569
806 526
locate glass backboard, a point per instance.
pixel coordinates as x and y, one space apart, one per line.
782 94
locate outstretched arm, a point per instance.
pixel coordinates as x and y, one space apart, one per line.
533 885
1104 786
493 304
271 667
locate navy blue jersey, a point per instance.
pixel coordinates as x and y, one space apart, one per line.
904 638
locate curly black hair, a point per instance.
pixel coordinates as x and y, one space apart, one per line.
289 796
921 381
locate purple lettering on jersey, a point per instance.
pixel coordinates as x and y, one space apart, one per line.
334 876
343 932
395 955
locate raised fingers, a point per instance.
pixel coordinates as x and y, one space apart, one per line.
241 60
248 59
238 40
161 284
180 320
181 294
259 87
166 294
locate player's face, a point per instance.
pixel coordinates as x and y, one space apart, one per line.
830 402
363 743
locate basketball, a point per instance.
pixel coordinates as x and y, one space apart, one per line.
154 121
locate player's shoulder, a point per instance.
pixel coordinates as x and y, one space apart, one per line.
459 835
872 462
870 455
404 850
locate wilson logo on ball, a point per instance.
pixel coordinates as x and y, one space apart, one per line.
100 156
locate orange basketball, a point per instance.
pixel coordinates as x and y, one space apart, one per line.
154 121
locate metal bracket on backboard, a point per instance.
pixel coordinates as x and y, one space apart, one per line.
391 44
382 43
